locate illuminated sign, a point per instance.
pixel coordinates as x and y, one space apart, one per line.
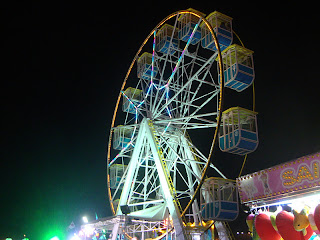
285 180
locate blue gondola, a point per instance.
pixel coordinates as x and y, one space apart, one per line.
219 200
222 26
166 41
238 67
131 100
122 137
238 132
145 66
187 23
116 173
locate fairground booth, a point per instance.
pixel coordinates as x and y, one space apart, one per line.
284 200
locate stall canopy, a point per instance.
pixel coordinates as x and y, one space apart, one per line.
284 182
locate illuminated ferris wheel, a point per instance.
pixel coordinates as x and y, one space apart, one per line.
174 87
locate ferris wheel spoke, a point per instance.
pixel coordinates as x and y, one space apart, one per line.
181 120
186 122
123 150
151 84
177 157
173 157
206 96
199 155
210 97
189 192
191 126
175 69
183 104
195 97
204 66
207 83
188 105
133 191
154 187
167 55
182 177
184 87
118 188
146 202
182 54
149 182
136 106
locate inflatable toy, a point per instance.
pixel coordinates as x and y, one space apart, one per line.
284 222
313 224
301 221
249 221
264 227
317 216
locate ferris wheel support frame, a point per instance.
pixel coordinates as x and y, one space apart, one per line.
146 133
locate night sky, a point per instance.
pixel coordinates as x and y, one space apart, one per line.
64 66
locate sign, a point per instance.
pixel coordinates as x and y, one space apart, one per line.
282 181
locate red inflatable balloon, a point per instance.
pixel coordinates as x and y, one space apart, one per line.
265 229
284 222
308 235
317 216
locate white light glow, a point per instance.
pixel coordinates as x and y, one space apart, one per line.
85 219
279 209
311 200
88 230
298 203
75 237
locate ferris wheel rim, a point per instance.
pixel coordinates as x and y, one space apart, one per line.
219 109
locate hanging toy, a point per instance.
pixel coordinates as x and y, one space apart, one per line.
317 216
273 221
255 235
249 221
284 222
301 221
264 227
313 224
273 217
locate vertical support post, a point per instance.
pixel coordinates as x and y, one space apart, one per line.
165 185
115 231
196 170
131 168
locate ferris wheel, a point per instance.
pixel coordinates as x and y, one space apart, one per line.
174 87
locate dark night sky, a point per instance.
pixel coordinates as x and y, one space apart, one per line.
64 65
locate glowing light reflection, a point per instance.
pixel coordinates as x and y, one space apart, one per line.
153 51
129 99
166 128
297 203
122 150
182 54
